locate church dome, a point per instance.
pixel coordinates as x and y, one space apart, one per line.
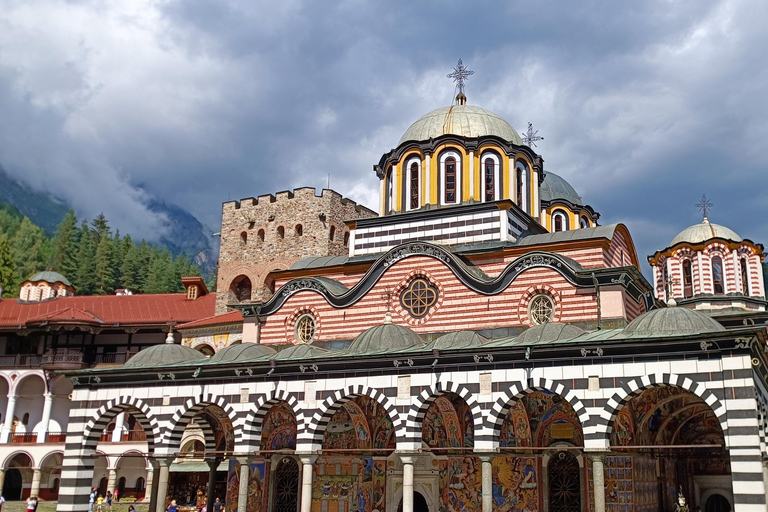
705 231
384 338
672 321
49 276
300 351
462 120
241 352
460 339
548 332
164 355
555 187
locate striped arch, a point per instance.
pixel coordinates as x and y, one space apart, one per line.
425 399
182 417
251 431
501 407
99 421
639 384
314 431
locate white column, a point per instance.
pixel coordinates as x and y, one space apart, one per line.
471 168
395 190
2 478
407 482
487 482
43 436
702 277
765 479
148 485
117 434
35 490
111 478
598 482
306 482
245 480
535 204
10 410
162 484
428 181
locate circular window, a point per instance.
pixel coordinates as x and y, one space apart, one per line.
305 328
541 309
418 297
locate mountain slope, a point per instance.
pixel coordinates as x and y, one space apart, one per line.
42 209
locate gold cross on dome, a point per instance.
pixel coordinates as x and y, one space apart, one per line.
705 205
460 75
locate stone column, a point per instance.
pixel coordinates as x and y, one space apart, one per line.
212 465
35 490
306 482
111 478
43 436
598 480
487 482
765 479
245 480
428 180
149 487
117 434
10 410
162 483
2 479
407 461
472 178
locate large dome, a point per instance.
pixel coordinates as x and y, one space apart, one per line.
384 338
555 187
164 355
671 321
49 277
241 352
705 231
463 120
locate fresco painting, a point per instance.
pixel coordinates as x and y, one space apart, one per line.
460 484
349 484
223 432
624 427
515 430
278 431
516 483
619 484
448 423
360 423
258 482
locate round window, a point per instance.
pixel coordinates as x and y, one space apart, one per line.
541 309
305 328
418 297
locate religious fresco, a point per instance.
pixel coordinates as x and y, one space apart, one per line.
552 419
515 484
278 430
515 430
257 498
349 484
619 484
460 484
448 423
223 432
361 423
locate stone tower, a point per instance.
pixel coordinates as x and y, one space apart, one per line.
274 231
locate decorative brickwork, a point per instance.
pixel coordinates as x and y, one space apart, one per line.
252 243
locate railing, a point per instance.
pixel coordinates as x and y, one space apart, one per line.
134 435
106 437
23 438
113 358
62 357
28 360
56 437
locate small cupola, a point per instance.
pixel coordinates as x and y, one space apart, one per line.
195 287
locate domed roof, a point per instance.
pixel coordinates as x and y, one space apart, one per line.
546 333
458 339
705 231
463 120
555 187
163 355
384 338
241 352
49 277
300 351
672 321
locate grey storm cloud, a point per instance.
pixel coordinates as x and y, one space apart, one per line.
644 106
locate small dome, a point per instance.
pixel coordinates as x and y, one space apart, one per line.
241 352
555 187
672 321
300 351
163 355
463 120
384 338
460 339
49 277
705 231
546 333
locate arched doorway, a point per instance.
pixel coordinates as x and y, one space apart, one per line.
419 503
564 483
18 474
12 485
717 503
285 497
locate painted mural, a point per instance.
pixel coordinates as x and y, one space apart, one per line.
515 430
460 484
552 419
361 423
349 484
278 430
448 423
258 482
223 432
516 483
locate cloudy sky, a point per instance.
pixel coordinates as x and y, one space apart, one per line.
644 106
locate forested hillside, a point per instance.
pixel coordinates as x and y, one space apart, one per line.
95 259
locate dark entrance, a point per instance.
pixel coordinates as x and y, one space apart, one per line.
419 503
12 485
717 503
564 483
103 486
286 494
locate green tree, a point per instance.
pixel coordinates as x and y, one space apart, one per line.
100 228
85 279
7 268
104 275
65 246
29 250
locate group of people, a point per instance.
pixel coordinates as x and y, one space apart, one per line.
218 506
97 502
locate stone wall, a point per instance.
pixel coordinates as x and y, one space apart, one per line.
272 232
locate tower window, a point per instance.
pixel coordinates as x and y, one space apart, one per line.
260 235
414 185
687 279
744 277
490 179
521 176
299 230
281 231
718 283
332 233
450 180
559 221
388 206
584 222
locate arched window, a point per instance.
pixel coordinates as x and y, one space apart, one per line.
260 234
664 279
584 222
559 221
299 230
718 283
388 193
140 484
281 231
346 239
241 287
244 237
450 177
521 180
687 279
450 180
25 419
413 194
332 233
744 276
491 177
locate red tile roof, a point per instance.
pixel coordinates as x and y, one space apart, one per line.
106 310
233 317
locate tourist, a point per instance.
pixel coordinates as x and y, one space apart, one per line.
32 504
109 501
217 505
131 508
91 499
116 495
99 504
2 500
172 507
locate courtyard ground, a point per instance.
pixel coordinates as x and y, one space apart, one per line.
50 506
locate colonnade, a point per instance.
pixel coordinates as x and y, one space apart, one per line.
10 412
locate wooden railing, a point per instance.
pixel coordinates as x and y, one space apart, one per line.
56 437
134 435
23 438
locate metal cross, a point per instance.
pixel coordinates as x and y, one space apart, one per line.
387 298
705 205
530 137
460 75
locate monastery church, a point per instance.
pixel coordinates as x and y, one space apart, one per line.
483 344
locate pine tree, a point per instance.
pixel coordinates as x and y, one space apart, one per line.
29 250
100 228
7 267
65 243
85 282
103 268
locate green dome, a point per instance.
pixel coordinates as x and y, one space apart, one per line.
462 120
49 277
300 351
384 338
460 339
164 355
547 333
705 231
555 187
672 321
241 352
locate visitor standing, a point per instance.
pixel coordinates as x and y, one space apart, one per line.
91 499
217 504
2 500
172 507
32 504
109 501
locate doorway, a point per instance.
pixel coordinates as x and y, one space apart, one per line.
717 503
12 485
286 490
564 483
419 503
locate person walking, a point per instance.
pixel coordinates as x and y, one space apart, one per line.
109 501
100 504
116 495
217 504
2 500
91 499
32 504
172 507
